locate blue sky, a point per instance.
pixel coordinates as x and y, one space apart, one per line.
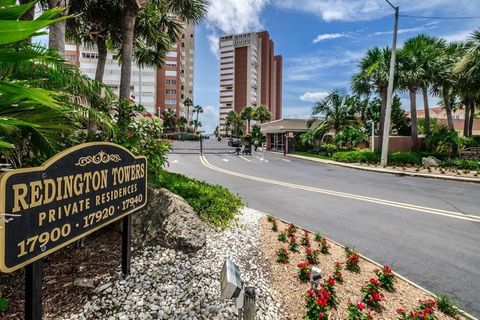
321 41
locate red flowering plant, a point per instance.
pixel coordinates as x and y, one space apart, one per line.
304 271
282 236
337 274
293 245
305 241
424 311
386 278
274 226
291 230
372 296
282 255
311 255
329 286
317 304
355 311
353 258
324 246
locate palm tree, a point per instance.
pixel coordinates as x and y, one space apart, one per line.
188 103
187 10
373 77
248 114
335 112
233 123
169 119
446 79
35 115
468 68
196 124
182 123
196 109
56 34
261 114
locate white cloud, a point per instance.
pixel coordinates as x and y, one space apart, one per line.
308 67
235 16
214 45
458 36
358 10
232 16
402 31
313 96
209 119
328 36
295 112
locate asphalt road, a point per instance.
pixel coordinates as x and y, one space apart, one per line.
427 230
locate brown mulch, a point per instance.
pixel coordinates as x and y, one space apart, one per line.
97 260
292 291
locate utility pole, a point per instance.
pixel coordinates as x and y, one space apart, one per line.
388 111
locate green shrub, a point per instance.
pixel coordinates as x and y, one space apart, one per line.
3 304
348 138
461 164
361 156
328 148
213 203
446 305
471 142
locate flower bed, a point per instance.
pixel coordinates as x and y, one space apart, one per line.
369 293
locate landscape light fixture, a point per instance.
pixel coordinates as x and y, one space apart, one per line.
315 277
388 110
372 124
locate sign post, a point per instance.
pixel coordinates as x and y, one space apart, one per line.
72 195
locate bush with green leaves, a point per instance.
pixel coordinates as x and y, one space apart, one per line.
441 139
471 142
349 138
360 156
213 203
446 305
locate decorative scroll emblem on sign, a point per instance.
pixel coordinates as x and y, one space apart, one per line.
73 194
100 157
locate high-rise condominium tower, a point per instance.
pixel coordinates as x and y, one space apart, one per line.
250 74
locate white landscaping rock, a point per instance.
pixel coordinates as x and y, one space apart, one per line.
166 284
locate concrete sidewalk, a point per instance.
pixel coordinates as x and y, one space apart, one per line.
386 170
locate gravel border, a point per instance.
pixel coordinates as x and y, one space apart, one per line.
166 284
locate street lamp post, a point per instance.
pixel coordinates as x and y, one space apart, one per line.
388 111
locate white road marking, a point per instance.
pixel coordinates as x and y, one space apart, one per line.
175 161
286 160
261 158
245 159
226 160
445 213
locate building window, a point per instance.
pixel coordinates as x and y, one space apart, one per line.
171 63
90 55
171 73
170 101
171 54
171 82
171 91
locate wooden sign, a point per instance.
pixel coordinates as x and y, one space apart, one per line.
470 154
70 196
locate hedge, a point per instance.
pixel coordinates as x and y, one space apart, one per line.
213 203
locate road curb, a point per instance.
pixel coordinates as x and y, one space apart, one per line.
389 171
463 313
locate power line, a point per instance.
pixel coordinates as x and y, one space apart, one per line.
439 18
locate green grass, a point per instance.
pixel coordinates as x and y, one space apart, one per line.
446 305
213 203
313 155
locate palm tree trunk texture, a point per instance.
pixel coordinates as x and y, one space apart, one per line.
102 58
472 117
56 37
30 14
383 109
413 115
448 109
426 108
129 16
466 122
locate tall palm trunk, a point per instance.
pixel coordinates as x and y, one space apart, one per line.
472 117
102 58
56 36
466 123
448 108
413 112
383 109
129 16
426 108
